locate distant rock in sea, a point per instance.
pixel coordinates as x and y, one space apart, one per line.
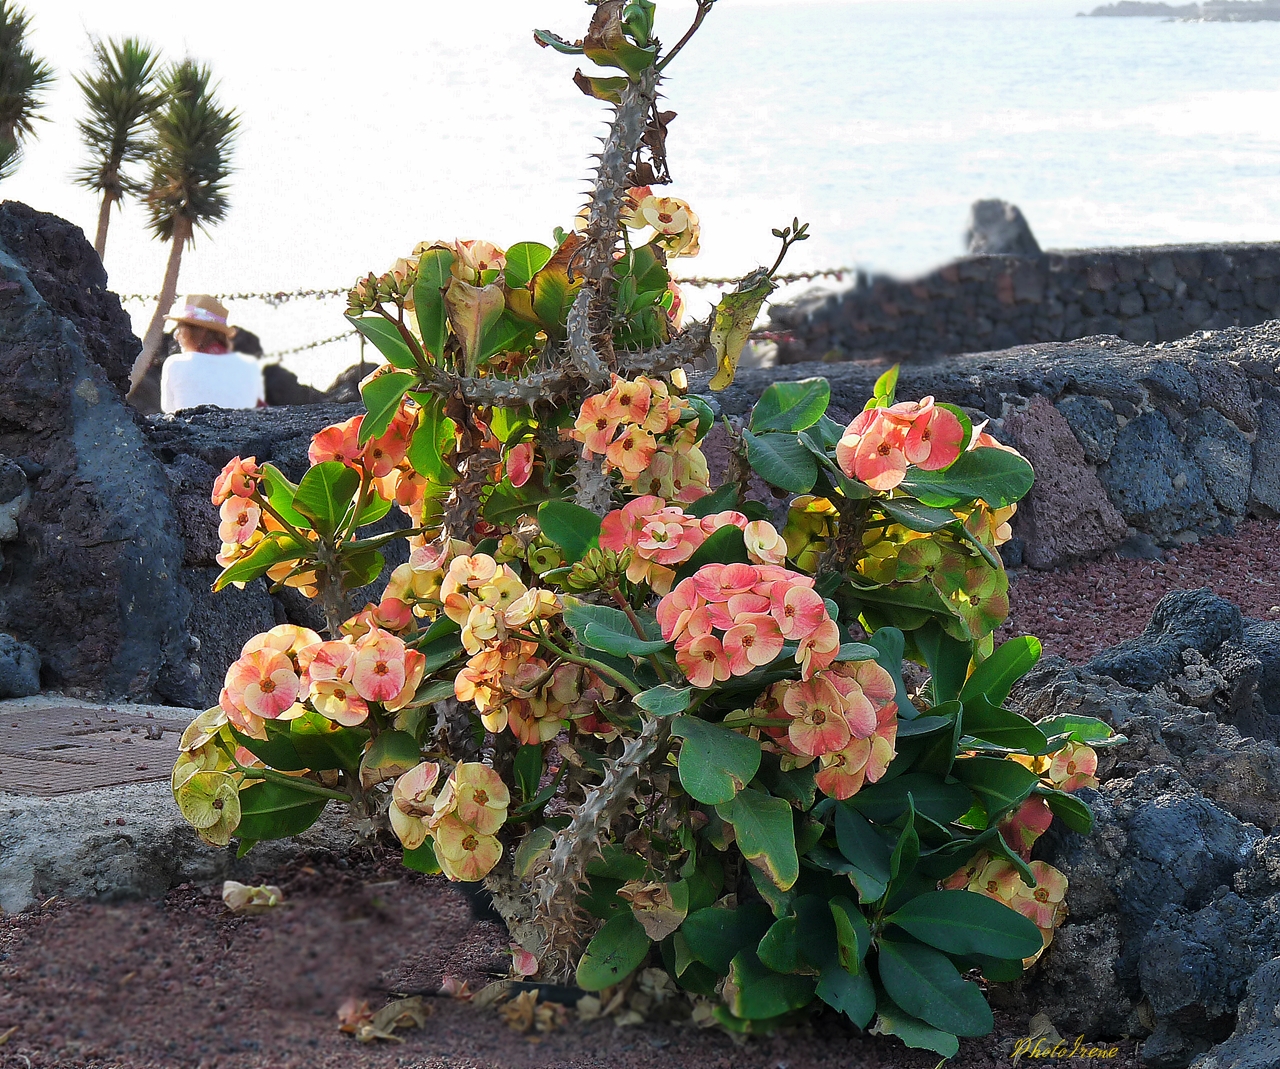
1209 11
1141 9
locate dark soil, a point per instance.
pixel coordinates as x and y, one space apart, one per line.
1080 610
183 983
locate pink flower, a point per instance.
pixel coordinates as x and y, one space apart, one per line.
879 460
238 479
621 528
239 520
799 610
339 441
675 609
934 440
380 455
331 661
703 661
338 701
818 724
764 544
595 427
819 649
725 614
520 463
378 670
753 641
669 537
263 682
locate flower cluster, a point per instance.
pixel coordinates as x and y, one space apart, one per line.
880 442
1072 767
676 226
1044 903
289 670
648 435
729 619
462 820
845 717
660 537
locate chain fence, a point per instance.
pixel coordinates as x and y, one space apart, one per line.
279 297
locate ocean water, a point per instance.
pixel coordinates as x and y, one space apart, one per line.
878 122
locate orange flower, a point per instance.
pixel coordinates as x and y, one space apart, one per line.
340 442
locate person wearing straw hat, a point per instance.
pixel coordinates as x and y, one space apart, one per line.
207 372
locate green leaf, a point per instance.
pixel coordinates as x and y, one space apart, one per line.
782 460
613 954
791 406
780 948
272 550
664 700
731 323
428 299
423 859
528 770
618 863
390 754
720 500
1087 729
325 494
326 745
602 628
906 851
386 338
995 676
506 503
276 750
947 658
725 546
550 40
1072 811
431 438
891 644
938 800
532 847
963 922
885 388
382 398
571 527
270 810
524 260
893 1021
279 492
865 850
374 510
714 763
917 517
990 723
715 935
851 994
1000 784
997 476
765 833
853 934
856 651
754 991
924 982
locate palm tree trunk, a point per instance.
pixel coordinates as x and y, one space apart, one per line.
104 220
155 332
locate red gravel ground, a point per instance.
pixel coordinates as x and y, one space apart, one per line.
181 983
1080 610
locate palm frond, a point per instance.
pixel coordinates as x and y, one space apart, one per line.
23 77
122 92
191 151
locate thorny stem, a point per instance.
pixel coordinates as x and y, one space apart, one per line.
540 636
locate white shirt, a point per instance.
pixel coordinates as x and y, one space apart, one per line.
228 380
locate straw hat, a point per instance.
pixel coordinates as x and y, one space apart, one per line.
201 310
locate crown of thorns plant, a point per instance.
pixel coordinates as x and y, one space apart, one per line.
661 721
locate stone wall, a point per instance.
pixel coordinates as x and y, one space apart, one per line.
1145 444
981 303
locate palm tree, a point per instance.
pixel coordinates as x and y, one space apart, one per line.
190 164
122 94
22 79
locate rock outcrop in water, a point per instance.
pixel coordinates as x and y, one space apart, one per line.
1209 11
